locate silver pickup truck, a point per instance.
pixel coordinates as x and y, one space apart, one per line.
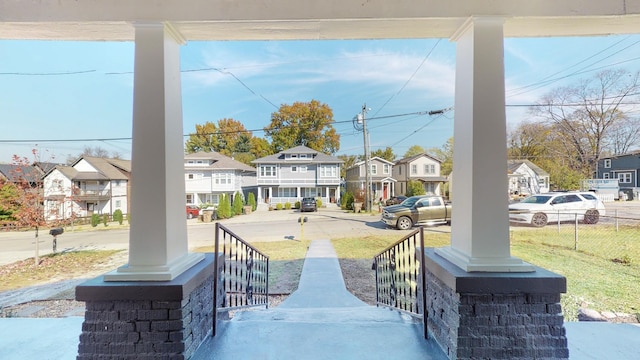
424 209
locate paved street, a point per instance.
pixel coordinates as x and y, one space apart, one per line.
327 223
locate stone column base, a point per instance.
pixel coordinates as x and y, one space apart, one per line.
147 319
487 315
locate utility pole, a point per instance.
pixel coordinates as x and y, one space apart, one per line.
361 120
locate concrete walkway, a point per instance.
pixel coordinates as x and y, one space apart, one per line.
320 320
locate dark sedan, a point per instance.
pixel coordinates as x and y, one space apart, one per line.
394 200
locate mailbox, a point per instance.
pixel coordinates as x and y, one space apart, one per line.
56 231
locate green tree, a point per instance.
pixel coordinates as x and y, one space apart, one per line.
444 154
205 139
9 200
414 150
348 161
117 216
308 124
251 201
414 188
386 153
224 207
237 203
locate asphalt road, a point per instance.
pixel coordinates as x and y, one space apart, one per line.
327 223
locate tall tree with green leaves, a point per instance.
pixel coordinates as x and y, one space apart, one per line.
205 139
414 150
308 124
386 153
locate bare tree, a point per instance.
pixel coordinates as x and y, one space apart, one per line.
585 116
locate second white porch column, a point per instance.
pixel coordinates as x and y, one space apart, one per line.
158 248
480 221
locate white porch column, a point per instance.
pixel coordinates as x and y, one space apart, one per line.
480 230
158 249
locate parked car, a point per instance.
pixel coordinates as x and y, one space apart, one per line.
394 200
192 211
308 204
425 209
541 209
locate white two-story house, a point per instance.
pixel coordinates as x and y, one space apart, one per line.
299 172
89 185
422 168
382 184
210 174
526 178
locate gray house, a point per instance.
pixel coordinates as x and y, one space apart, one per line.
625 168
382 184
422 168
298 172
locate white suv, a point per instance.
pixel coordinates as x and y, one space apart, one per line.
540 209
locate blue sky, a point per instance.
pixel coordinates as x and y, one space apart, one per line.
75 92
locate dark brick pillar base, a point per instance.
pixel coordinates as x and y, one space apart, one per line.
147 320
495 315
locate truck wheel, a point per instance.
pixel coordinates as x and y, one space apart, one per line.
539 219
189 216
591 217
404 223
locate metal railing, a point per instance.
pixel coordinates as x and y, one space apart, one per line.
399 281
244 278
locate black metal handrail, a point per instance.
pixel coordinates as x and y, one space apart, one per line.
244 278
399 281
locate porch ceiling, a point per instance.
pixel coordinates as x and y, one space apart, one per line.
112 20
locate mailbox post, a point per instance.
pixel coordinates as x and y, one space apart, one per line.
55 232
302 220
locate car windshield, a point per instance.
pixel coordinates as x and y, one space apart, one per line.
410 201
536 199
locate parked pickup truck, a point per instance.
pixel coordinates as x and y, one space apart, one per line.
425 209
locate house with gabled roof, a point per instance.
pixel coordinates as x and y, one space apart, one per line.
382 183
89 185
211 174
423 168
526 178
299 172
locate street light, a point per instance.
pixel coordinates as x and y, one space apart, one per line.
360 124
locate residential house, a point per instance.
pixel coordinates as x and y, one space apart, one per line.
31 173
526 178
625 168
382 184
423 168
89 185
210 174
298 172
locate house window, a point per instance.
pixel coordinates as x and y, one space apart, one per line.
374 169
303 169
624 178
605 175
222 178
190 176
267 171
311 192
414 169
118 204
287 192
294 169
429 169
399 170
189 198
607 163
303 156
385 168
328 171
294 156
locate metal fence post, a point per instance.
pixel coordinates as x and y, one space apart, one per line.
575 234
558 222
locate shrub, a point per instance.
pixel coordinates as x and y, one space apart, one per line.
287 205
117 216
95 219
415 188
347 201
237 203
252 201
278 206
105 219
224 207
296 205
